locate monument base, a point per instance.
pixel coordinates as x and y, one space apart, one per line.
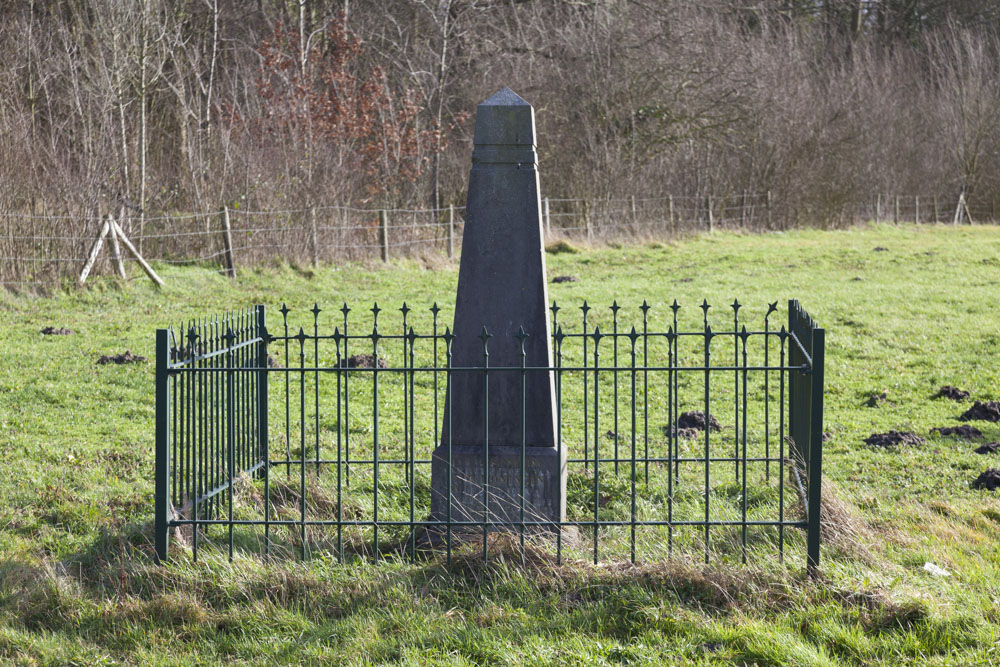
544 485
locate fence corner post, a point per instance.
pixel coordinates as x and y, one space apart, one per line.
383 227
161 522
815 464
451 231
227 240
313 238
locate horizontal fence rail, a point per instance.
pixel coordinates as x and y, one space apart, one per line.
43 249
684 428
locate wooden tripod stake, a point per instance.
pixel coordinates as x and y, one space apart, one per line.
111 227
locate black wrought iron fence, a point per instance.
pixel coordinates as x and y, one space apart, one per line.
683 429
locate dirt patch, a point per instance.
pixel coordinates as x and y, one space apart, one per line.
57 331
565 279
989 480
695 419
682 433
273 363
964 431
954 393
879 248
988 448
894 439
561 247
127 358
363 361
987 411
876 399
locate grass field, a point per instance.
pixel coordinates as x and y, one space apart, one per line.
78 586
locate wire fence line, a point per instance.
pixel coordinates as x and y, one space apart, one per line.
42 249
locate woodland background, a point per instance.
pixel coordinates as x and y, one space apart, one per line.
163 111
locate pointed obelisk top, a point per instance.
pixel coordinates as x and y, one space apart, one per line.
505 119
505 97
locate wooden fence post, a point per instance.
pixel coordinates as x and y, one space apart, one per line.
743 210
916 209
634 216
878 207
451 230
314 241
116 251
94 249
548 219
383 226
670 215
895 210
768 209
711 220
586 220
115 229
227 241
936 218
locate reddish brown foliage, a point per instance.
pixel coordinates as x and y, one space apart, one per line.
328 94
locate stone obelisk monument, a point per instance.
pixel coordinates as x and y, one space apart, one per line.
490 426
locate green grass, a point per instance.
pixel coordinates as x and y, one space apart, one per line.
77 584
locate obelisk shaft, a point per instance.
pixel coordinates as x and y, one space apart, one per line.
494 421
502 286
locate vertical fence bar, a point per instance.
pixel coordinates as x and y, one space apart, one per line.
708 430
781 445
614 374
559 342
302 440
340 451
645 386
375 433
230 429
597 438
448 337
347 398
671 433
743 336
485 336
736 388
316 311
288 408
521 335
586 453
162 483
412 337
197 467
263 450
633 337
